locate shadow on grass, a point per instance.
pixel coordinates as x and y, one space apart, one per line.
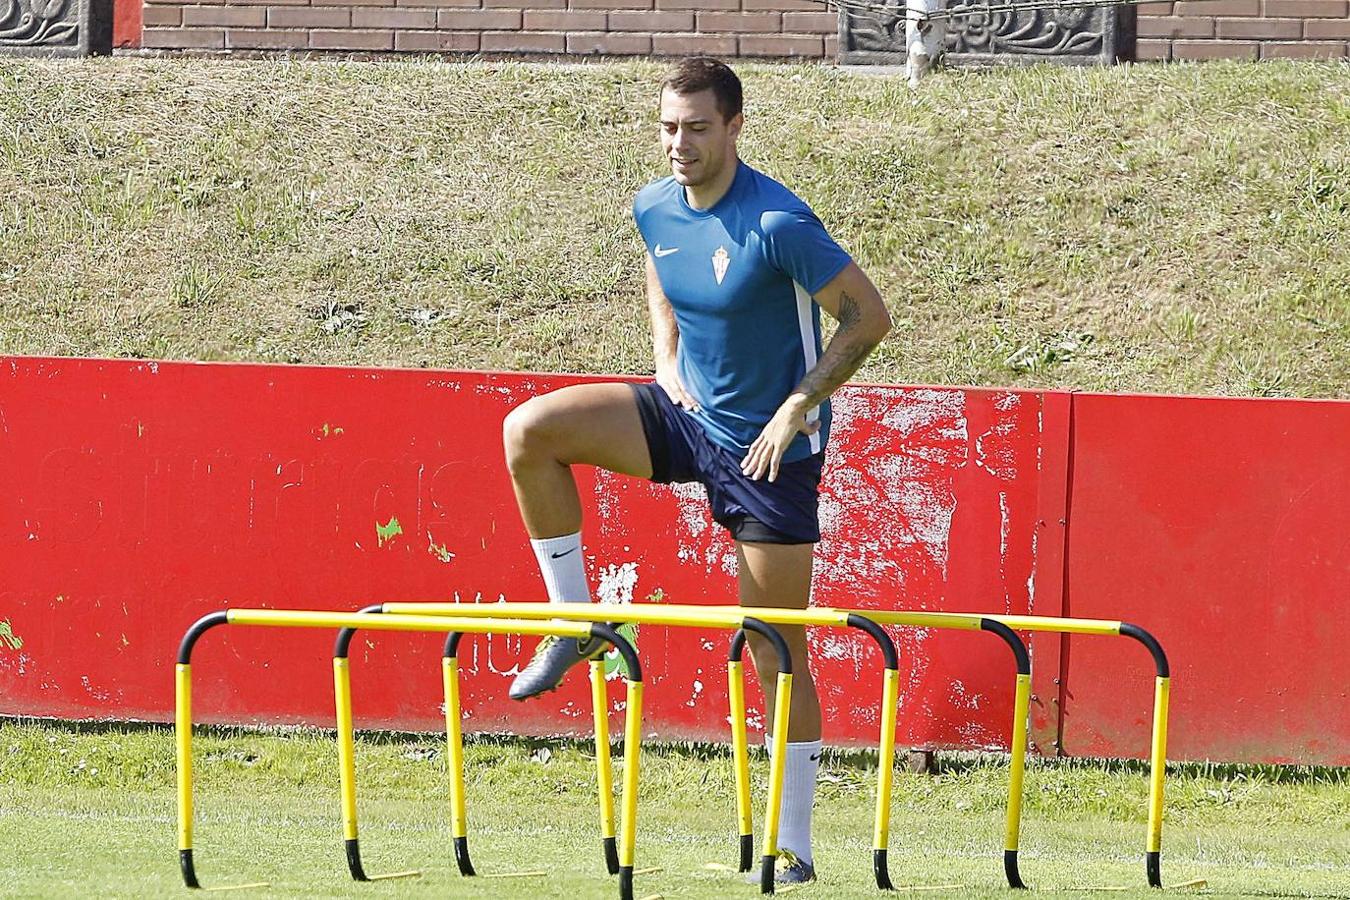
861 759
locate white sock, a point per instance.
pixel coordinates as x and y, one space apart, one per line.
799 794
563 568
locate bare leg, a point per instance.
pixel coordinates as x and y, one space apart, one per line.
780 575
590 424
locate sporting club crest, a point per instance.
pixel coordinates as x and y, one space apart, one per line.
720 261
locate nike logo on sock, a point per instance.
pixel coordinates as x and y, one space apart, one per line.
815 758
564 553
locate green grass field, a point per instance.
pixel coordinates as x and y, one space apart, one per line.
92 813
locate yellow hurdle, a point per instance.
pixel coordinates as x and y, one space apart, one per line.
740 755
182 733
632 751
722 616
526 618
713 616
342 697
777 768
455 754
342 692
1053 624
702 617
1021 704
890 709
1161 690
604 770
1066 625
346 746
642 614
454 750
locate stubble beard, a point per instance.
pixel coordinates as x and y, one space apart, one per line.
706 173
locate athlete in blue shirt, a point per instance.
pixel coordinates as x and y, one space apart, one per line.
739 277
738 270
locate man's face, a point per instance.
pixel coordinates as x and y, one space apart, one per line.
697 141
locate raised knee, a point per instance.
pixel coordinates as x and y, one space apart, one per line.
525 432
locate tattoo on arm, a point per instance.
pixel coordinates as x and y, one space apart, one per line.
841 358
850 313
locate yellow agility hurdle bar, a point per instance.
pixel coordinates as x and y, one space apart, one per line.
311 619
455 748
731 618
614 857
865 620
1061 625
703 616
455 751
1161 690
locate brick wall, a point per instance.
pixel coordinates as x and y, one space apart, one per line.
1183 29
730 28
1243 29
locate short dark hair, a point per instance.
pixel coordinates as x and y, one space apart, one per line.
703 73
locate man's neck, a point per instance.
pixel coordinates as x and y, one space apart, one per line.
705 196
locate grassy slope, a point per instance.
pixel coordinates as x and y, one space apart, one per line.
1149 228
86 811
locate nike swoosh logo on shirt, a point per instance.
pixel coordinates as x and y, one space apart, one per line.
659 252
564 553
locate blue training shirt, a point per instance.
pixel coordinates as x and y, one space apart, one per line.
740 277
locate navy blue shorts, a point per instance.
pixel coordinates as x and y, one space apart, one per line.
769 512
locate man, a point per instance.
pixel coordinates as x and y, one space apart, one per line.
738 269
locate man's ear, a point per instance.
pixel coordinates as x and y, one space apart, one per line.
734 126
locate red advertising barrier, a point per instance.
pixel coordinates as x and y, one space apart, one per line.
1223 526
142 495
